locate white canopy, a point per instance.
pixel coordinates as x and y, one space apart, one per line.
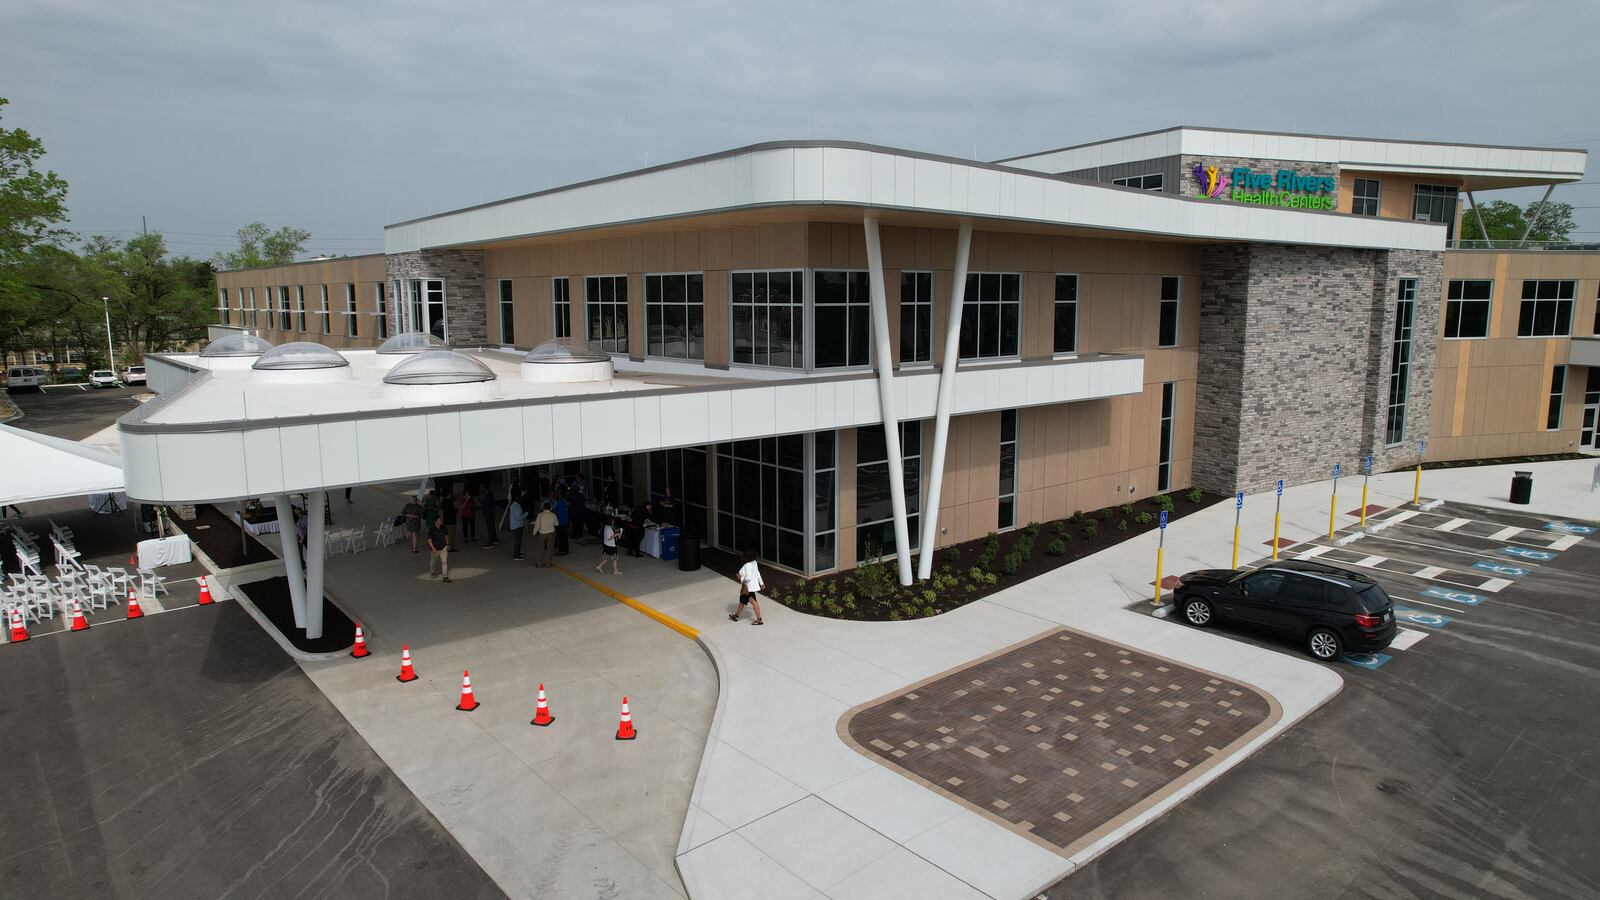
39 467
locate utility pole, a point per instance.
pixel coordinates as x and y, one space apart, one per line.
106 301
144 226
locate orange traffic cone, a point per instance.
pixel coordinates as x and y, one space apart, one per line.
205 592
19 632
79 623
625 730
406 672
541 712
468 702
360 648
134 612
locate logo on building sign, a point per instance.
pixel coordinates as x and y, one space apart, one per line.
1282 187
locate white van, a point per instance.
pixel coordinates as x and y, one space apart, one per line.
23 377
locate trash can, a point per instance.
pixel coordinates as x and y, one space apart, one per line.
688 553
669 543
1522 488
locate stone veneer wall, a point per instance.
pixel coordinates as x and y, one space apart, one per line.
1191 187
465 301
1297 346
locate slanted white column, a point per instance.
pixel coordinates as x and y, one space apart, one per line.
891 419
947 388
316 551
291 558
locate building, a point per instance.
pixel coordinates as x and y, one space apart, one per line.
815 343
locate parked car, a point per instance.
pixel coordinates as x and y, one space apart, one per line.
69 373
21 378
1328 609
103 378
133 375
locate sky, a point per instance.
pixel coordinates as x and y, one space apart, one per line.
341 117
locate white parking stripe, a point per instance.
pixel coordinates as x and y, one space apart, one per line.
1428 572
1370 562
1564 543
1408 601
1406 638
1494 585
1318 550
1397 518
1505 534
1451 525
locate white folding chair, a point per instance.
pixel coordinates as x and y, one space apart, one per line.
356 540
383 537
151 584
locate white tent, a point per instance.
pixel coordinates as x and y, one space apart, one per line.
39 467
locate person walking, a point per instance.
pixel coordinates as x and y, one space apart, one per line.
516 520
413 523
469 517
608 547
347 496
558 505
300 523
447 510
489 508
544 537
749 583
438 549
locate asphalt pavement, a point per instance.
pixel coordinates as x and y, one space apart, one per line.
65 411
1462 765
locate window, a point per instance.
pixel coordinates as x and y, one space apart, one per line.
605 305
323 313
1405 310
675 316
351 329
1169 405
508 328
916 317
685 472
285 314
381 307
251 309
1467 306
424 306
1546 309
1066 338
1436 203
222 306
825 523
761 498
843 319
1150 182
1168 328
1008 468
874 509
1558 387
300 306
1364 199
767 318
1591 410
561 302
1263 585
990 314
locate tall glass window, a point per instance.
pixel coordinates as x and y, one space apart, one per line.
843 318
300 307
990 314
381 305
1364 198
1558 389
285 314
324 313
1394 431
1436 203
222 306
605 306
1467 305
250 311
1169 408
685 472
874 509
1546 309
1168 328
351 329
424 306
1008 468
825 522
675 316
1066 322
1591 411
761 498
508 325
916 317
767 318
561 302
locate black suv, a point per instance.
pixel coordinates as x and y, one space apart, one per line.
1331 609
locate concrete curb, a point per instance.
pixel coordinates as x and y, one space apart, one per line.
1349 538
701 773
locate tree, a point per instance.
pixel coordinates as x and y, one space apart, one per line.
1506 221
260 247
32 204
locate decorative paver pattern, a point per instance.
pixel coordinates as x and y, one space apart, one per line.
1060 737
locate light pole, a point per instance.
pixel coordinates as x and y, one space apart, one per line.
109 351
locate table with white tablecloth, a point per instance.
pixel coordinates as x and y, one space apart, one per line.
650 544
260 527
169 551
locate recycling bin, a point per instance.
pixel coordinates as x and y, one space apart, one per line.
669 543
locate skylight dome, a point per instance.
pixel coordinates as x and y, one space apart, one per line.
410 342
235 345
567 359
300 356
439 367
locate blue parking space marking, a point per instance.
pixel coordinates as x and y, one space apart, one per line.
1569 527
1528 553
1367 660
1465 598
1501 568
1421 617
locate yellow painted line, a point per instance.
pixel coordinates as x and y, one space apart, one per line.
625 600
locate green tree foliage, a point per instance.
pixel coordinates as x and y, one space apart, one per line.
260 247
33 203
1505 221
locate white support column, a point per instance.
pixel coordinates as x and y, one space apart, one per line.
291 558
316 552
947 388
891 419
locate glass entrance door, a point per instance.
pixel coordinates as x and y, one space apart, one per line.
1589 438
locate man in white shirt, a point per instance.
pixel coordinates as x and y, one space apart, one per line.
749 583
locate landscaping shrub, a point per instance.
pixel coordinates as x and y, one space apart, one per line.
1090 528
1057 547
1195 495
1011 563
1144 518
1127 509
1163 503
1122 525
1060 526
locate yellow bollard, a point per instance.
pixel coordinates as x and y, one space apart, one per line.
1416 489
1159 551
1235 563
1363 504
1333 507
1276 521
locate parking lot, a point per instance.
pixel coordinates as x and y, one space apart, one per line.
1457 762
74 413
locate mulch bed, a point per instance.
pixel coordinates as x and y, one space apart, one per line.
1501 461
272 598
975 569
218 536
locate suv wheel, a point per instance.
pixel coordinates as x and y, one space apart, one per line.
1324 643
1197 612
